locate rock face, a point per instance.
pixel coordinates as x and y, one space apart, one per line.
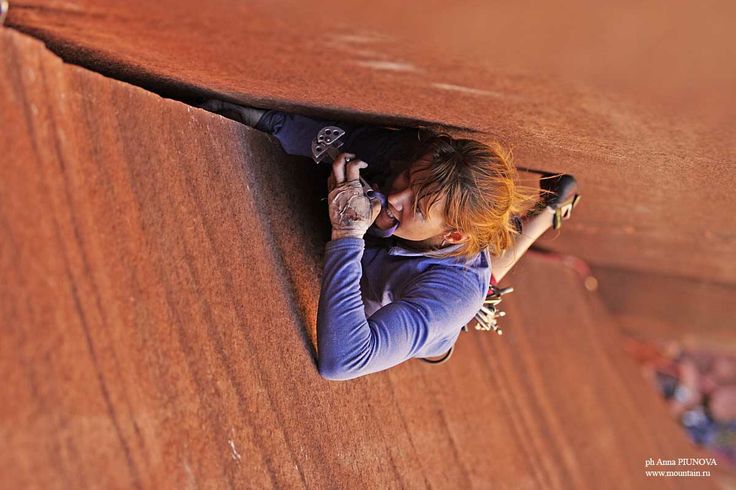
160 271
658 188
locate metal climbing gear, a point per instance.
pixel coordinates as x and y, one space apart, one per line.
489 313
487 319
327 143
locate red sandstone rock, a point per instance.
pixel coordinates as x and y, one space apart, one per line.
565 84
697 313
156 315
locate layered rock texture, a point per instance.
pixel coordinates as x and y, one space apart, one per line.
564 84
159 267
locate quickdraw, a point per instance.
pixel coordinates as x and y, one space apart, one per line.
486 318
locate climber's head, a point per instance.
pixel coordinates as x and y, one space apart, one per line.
456 191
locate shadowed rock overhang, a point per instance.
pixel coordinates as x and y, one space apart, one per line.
657 189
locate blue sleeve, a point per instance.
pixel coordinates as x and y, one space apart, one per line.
438 303
376 145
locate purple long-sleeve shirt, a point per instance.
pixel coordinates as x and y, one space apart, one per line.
381 305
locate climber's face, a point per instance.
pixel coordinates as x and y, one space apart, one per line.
413 224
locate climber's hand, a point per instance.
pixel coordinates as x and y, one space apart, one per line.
351 211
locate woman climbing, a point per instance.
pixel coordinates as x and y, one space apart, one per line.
410 257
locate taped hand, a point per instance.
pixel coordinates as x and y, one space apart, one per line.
351 211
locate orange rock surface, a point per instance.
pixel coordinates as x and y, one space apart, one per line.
635 98
158 310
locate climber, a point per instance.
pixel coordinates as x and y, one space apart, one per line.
409 260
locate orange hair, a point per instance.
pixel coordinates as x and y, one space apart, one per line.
481 187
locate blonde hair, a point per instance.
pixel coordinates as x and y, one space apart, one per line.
481 187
